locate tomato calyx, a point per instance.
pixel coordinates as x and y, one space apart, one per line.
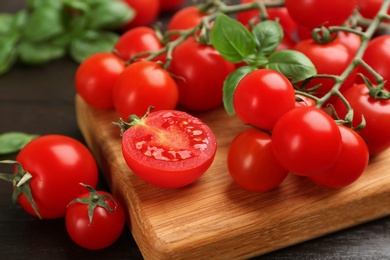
133 120
94 200
20 181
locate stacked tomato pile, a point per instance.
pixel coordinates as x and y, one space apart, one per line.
308 77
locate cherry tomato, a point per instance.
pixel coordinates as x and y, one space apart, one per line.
377 55
350 164
171 5
306 141
280 13
95 78
262 97
169 148
331 58
137 40
99 229
143 84
251 162
376 114
312 14
200 72
369 8
304 101
57 164
146 12
186 18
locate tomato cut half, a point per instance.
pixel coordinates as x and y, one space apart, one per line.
168 148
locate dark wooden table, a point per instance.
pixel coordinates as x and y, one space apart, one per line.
40 100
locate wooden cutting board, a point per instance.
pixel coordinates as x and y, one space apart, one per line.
214 218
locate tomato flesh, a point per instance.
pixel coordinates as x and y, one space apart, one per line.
169 149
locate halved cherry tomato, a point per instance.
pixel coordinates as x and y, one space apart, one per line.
168 148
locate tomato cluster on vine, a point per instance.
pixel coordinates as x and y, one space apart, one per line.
340 121
312 84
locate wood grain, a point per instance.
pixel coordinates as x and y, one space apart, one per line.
215 218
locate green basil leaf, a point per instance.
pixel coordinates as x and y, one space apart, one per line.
12 142
36 4
232 39
268 35
44 23
110 15
292 64
92 42
8 53
39 53
230 85
6 23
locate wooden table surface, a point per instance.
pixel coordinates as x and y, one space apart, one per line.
40 100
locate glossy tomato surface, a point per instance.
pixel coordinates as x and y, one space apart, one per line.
312 14
377 56
186 18
169 149
376 114
105 228
274 13
58 164
350 164
306 141
331 58
137 40
262 97
200 72
141 85
146 12
252 163
95 78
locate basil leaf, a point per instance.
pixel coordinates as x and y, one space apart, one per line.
44 23
92 42
8 53
12 142
110 15
230 85
39 53
292 64
6 23
268 35
35 4
232 39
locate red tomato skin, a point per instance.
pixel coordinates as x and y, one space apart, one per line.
377 55
369 8
251 162
262 97
350 164
171 5
304 101
376 113
175 126
143 84
146 12
95 78
58 164
200 74
312 14
186 18
306 141
280 13
331 58
106 226
137 40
